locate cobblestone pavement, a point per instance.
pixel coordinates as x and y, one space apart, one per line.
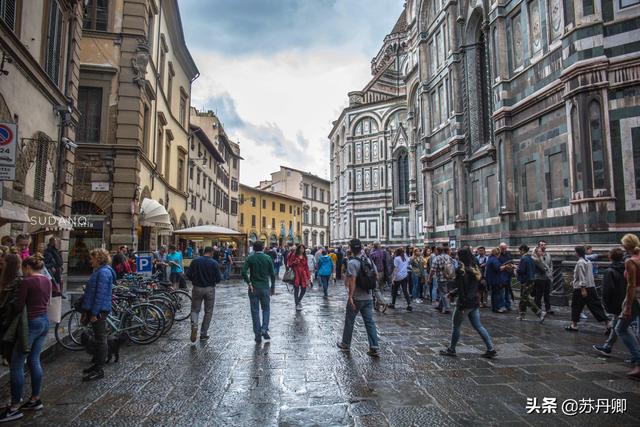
300 378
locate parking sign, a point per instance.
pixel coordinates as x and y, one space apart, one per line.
144 263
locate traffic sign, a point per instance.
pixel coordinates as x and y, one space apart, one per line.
144 264
8 144
7 173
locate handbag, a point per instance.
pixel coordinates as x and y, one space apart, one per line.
289 275
54 309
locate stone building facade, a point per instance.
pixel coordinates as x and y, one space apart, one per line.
269 216
135 87
39 53
314 192
214 173
519 121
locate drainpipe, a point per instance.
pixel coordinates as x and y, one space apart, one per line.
155 104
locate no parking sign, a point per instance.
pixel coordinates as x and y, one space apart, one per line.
144 263
8 139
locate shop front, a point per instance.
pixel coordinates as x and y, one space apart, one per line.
155 225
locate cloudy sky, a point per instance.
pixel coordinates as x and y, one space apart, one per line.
277 72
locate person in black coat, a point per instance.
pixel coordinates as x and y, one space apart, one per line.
614 288
53 261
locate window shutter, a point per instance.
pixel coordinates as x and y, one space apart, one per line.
8 11
52 54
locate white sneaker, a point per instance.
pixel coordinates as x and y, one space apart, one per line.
543 314
583 316
299 307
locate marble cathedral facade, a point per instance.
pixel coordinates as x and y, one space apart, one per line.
490 121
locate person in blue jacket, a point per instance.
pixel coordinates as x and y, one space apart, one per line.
325 269
96 306
492 276
526 273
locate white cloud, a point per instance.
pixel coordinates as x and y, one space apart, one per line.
285 103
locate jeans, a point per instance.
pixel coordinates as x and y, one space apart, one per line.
474 318
543 289
525 299
260 297
434 289
628 337
505 289
276 269
38 329
198 295
404 284
227 271
415 286
298 293
365 308
613 336
324 280
497 300
443 302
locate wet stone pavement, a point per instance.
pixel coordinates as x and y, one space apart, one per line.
301 379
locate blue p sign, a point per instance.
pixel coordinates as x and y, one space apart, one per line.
144 264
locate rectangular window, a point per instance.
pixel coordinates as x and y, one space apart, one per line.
555 186
306 191
8 13
234 206
96 15
587 7
171 75
264 204
282 207
437 47
264 222
476 195
439 211
235 163
442 104
181 174
314 192
253 202
241 219
529 184
290 210
160 150
627 3
273 206
322 195
183 111
53 43
167 160
273 223
90 106
253 220
451 207
145 130
492 194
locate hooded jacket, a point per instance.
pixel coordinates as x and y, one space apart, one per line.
614 288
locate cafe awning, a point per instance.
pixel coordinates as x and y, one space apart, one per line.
207 230
153 214
13 213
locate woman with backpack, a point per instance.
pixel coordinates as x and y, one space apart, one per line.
298 263
400 278
468 300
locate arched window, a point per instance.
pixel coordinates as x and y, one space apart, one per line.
478 92
577 151
366 126
396 119
322 217
597 149
403 178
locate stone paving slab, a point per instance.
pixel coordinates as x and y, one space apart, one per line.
301 379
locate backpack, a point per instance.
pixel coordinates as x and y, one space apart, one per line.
449 270
366 278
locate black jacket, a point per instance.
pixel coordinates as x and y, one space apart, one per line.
614 288
204 271
468 285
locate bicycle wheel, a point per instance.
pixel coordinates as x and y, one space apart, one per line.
166 306
143 323
182 303
69 330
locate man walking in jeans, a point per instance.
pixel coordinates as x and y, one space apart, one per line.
257 271
360 301
204 273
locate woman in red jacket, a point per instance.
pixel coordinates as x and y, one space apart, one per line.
298 263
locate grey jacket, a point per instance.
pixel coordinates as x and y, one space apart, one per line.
583 275
541 270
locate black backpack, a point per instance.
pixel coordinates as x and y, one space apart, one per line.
366 278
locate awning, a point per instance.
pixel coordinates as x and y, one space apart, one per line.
13 213
48 222
153 214
207 230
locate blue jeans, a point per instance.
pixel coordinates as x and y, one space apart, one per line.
38 329
276 269
324 280
434 289
443 302
497 300
505 288
474 317
227 271
260 297
628 338
415 286
365 308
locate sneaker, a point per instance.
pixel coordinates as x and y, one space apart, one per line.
194 333
96 374
343 347
373 352
501 310
204 337
448 352
520 316
602 349
30 405
89 369
266 336
299 307
489 354
8 415
583 316
409 308
258 338
542 316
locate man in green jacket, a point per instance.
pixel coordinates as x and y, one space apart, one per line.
257 271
